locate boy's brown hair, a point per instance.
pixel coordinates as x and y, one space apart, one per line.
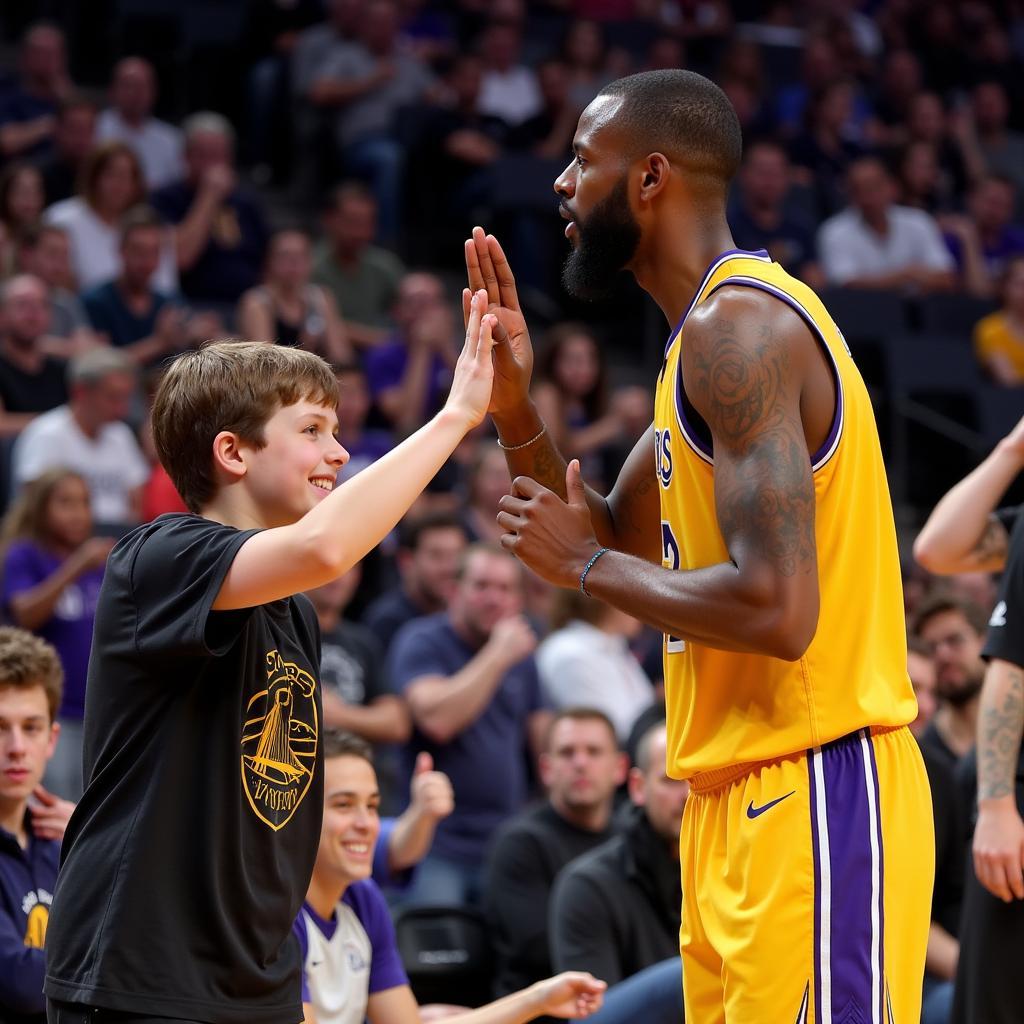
228 385
26 661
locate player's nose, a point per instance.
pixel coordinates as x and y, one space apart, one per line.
565 185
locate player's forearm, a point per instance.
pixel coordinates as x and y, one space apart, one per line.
720 606
960 535
442 707
1000 729
542 461
942 954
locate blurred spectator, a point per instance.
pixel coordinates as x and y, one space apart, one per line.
73 140
759 217
585 52
572 396
586 660
367 82
990 205
429 550
921 670
31 821
89 436
221 235
581 767
876 244
287 309
1001 148
509 90
459 145
316 45
410 371
825 151
364 445
953 631
129 313
52 570
900 82
548 134
21 204
617 907
919 178
129 119
110 185
28 112
999 337
486 484
46 253
31 381
819 68
927 121
356 693
363 278
665 53
471 683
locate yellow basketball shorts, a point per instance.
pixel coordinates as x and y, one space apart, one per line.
807 886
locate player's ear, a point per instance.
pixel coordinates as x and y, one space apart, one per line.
227 454
654 174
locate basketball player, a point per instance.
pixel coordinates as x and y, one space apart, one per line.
188 857
752 525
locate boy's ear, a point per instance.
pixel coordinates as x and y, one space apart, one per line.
227 454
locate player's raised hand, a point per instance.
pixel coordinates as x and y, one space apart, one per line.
488 269
470 393
572 995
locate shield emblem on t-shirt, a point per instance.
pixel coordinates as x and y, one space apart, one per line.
279 741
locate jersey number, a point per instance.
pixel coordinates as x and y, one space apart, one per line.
670 560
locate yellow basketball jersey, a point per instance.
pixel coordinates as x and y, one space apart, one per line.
726 708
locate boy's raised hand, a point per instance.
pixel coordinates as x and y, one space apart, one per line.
488 269
470 393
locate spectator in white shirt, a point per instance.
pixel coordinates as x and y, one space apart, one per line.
88 435
510 90
874 243
129 119
586 660
112 184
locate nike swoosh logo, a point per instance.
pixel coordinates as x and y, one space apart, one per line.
753 812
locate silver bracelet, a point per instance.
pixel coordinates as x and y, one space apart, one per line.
587 568
525 444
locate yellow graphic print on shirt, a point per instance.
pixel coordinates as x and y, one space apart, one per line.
35 929
279 741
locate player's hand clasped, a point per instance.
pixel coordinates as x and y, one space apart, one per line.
474 374
552 537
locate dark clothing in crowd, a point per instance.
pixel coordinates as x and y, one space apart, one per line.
33 392
615 910
526 856
109 313
389 613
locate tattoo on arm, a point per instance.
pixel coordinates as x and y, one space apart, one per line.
999 733
993 542
765 490
547 467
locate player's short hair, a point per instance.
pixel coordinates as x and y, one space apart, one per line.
228 385
27 661
943 602
338 743
579 713
685 116
413 529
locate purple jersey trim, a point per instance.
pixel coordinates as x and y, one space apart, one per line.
845 822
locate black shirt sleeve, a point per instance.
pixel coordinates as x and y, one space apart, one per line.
583 935
175 569
1006 627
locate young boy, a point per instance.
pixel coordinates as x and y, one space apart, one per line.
31 683
351 968
189 855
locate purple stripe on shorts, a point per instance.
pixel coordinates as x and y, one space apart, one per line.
881 886
817 886
852 887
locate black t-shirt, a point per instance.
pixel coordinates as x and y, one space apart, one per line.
188 857
950 841
527 854
33 392
1006 627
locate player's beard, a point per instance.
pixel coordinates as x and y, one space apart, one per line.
607 241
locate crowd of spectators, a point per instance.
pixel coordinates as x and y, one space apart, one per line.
884 152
